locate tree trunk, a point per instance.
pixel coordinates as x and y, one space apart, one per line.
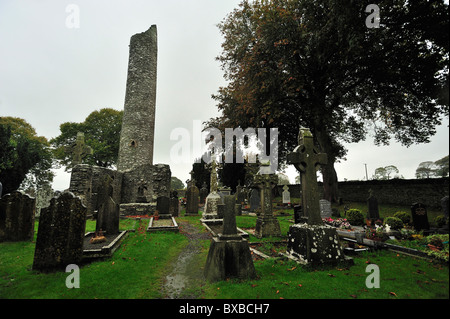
330 181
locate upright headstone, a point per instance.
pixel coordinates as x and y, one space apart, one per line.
192 199
213 200
266 224
162 206
286 195
311 242
17 211
203 193
61 232
420 217
229 254
109 211
174 204
255 199
372 205
240 194
325 208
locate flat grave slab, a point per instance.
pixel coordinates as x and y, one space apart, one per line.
163 224
102 249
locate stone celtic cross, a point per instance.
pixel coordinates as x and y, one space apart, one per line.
306 158
79 149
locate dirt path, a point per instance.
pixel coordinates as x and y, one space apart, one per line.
184 271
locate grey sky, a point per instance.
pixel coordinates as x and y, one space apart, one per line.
50 74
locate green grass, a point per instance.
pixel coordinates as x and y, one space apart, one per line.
400 277
135 271
139 266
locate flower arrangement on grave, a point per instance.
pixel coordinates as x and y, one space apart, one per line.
98 237
338 223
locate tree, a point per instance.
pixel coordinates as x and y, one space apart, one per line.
385 172
442 167
23 155
102 133
425 170
315 64
176 183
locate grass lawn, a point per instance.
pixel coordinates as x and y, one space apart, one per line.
139 266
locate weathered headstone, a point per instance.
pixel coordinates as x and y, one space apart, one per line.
255 200
162 206
141 189
203 193
79 149
174 204
266 224
311 242
109 211
420 217
229 254
240 194
17 211
372 204
286 195
325 208
444 204
192 199
213 200
61 232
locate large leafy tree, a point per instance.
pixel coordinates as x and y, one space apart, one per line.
316 64
101 132
25 157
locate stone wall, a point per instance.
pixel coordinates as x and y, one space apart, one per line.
394 191
86 182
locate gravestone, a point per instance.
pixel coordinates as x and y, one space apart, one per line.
311 242
229 254
174 204
372 204
444 204
141 189
109 211
211 212
203 193
240 194
192 199
420 217
286 195
266 224
255 199
162 206
61 233
298 215
325 208
17 211
79 149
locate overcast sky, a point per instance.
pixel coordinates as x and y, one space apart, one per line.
51 73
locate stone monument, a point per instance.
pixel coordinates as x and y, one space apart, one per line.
311 242
17 211
211 214
266 224
229 254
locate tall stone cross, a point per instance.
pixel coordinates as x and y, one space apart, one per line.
213 178
306 158
79 149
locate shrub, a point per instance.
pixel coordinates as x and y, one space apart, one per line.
404 216
394 222
355 217
440 221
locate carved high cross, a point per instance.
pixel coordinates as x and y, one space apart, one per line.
79 149
306 158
